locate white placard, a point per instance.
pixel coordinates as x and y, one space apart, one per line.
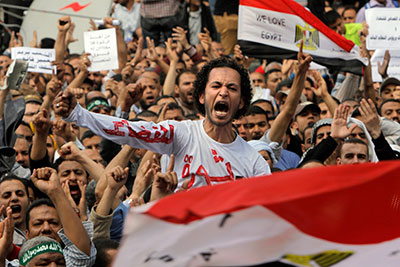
38 59
394 64
102 47
384 28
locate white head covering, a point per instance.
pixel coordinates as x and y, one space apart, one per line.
260 146
371 146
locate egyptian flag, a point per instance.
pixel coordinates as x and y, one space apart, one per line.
330 216
273 29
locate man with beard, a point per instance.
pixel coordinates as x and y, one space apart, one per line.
14 194
207 151
184 88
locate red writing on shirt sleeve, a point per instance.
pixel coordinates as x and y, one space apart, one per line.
160 133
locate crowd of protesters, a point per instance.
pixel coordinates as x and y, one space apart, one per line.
184 109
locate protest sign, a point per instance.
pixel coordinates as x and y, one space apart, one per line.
102 47
38 59
384 28
394 64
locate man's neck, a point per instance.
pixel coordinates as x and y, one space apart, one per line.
130 3
222 134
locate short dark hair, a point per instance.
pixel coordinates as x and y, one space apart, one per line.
35 204
146 114
269 72
284 83
202 79
12 177
172 106
331 17
254 110
87 134
47 43
163 97
353 141
102 246
348 7
386 101
185 71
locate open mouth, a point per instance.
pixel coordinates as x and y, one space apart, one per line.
15 209
221 108
150 99
74 189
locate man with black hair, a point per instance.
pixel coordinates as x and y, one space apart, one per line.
106 251
173 112
273 77
353 151
390 109
208 151
14 194
257 122
91 141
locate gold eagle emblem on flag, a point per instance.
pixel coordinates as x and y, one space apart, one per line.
310 37
323 259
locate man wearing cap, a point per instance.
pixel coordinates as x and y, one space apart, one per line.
388 88
306 113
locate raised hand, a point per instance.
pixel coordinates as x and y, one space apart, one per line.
33 43
370 117
165 183
339 130
151 50
179 34
46 180
63 129
116 178
382 68
70 151
303 60
64 103
41 122
64 24
171 53
322 89
6 234
54 86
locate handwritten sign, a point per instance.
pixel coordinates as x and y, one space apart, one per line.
384 28
102 47
38 59
394 64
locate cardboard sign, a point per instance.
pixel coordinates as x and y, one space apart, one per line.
384 28
38 59
102 47
394 64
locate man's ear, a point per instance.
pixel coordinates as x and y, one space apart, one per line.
27 234
176 90
241 104
201 98
338 161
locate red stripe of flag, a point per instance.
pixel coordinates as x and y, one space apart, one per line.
294 8
352 204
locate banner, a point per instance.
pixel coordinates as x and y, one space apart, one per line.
342 216
394 64
274 29
383 28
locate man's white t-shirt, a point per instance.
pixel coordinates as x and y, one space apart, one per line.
198 157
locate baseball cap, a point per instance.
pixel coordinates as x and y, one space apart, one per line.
387 81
